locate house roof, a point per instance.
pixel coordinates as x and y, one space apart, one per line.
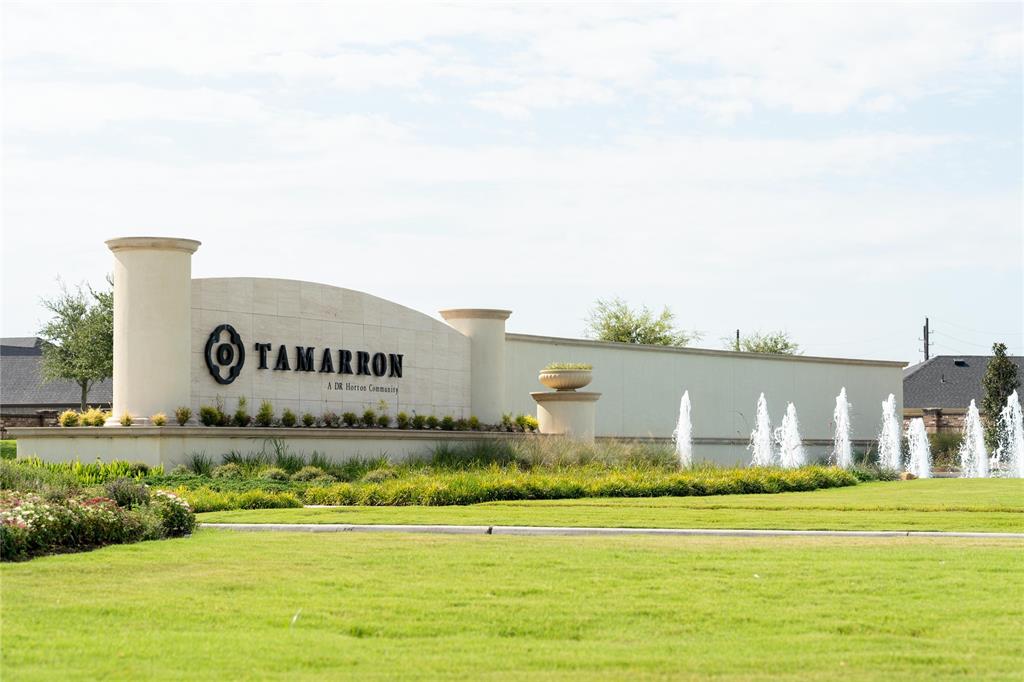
22 387
948 381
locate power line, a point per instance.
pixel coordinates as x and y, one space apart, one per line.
976 331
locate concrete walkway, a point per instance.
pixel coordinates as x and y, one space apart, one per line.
570 530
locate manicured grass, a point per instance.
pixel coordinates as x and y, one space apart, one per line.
228 605
8 449
933 504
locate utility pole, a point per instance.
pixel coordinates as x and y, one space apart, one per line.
927 343
737 339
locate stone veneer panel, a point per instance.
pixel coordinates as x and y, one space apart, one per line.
436 358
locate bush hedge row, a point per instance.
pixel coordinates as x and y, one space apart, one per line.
497 483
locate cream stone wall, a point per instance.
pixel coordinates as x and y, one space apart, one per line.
436 358
641 386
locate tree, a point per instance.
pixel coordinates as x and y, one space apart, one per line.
999 382
614 320
771 342
79 338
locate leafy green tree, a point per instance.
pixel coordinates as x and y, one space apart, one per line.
771 342
79 338
999 382
614 320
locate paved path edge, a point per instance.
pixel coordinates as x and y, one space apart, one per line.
576 530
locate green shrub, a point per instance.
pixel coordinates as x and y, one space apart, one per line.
308 419
369 417
127 493
507 422
383 421
265 415
311 473
461 424
176 515
209 415
228 470
402 420
68 418
241 416
474 423
288 418
329 419
432 422
447 423
385 473
126 419
158 419
419 421
350 418
274 474
527 422
182 415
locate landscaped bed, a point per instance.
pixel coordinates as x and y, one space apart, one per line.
973 505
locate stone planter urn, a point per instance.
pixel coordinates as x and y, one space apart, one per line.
565 379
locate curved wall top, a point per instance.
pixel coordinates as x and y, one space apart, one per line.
315 348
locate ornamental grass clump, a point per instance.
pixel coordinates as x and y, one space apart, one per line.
158 419
241 416
207 500
68 418
288 418
94 417
88 473
496 483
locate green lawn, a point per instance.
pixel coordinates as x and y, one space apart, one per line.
933 504
227 605
8 449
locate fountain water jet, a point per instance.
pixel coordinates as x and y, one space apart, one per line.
1011 438
842 450
683 435
791 448
890 455
761 437
919 453
973 456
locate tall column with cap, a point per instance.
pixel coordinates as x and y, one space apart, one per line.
152 325
485 328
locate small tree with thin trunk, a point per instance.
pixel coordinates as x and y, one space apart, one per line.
614 320
999 382
79 338
770 342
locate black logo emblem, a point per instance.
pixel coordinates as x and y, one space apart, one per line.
224 355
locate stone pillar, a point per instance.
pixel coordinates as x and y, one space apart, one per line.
486 331
152 326
567 413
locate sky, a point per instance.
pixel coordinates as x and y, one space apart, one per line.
836 171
